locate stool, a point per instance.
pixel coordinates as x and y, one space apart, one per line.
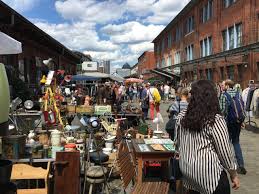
95 175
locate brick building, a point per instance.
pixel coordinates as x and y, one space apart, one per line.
36 45
212 39
146 62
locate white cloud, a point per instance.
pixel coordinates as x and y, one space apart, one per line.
22 5
90 10
131 32
141 47
78 36
116 30
165 10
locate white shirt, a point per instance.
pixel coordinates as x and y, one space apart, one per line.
166 89
150 94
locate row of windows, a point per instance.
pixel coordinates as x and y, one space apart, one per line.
231 38
225 73
206 13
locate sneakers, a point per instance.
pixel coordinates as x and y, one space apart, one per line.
241 170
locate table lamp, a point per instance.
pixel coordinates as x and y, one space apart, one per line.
4 101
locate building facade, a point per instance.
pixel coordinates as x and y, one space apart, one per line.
146 62
36 47
201 38
104 67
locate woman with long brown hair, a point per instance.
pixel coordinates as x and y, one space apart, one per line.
203 143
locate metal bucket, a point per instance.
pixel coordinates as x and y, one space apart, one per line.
14 146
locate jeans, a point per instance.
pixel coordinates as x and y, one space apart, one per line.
145 112
234 134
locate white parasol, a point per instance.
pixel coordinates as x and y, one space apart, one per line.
8 45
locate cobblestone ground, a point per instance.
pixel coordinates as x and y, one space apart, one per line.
249 142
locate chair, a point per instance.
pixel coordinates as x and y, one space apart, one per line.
127 175
27 172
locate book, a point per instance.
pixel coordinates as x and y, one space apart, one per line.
143 148
169 147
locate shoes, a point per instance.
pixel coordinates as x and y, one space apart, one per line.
241 170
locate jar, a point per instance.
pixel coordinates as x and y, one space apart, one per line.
70 147
55 138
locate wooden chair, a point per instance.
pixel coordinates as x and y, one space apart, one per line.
128 174
27 172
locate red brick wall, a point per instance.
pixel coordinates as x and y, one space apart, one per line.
244 11
146 62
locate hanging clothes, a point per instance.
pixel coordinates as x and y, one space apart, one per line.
253 104
249 98
245 94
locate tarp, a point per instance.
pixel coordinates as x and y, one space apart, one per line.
103 76
84 78
8 45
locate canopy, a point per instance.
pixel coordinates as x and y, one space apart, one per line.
134 80
8 45
83 78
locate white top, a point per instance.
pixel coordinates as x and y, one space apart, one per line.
166 89
150 94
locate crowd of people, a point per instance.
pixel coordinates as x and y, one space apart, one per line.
208 117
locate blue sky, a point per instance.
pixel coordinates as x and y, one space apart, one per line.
116 30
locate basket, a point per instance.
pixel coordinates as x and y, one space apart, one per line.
85 109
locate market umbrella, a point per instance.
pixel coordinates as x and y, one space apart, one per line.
134 80
8 45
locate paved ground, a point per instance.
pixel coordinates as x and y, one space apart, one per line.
249 143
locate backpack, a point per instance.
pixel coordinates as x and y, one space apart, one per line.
236 108
156 96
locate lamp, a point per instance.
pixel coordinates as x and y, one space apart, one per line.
4 101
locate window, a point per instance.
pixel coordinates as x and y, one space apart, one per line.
163 62
232 37
228 3
222 75
158 48
206 12
169 61
190 24
206 47
209 74
240 70
230 72
177 57
89 65
239 34
189 52
163 45
169 40
178 34
201 74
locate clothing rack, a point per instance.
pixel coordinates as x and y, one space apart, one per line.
249 122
